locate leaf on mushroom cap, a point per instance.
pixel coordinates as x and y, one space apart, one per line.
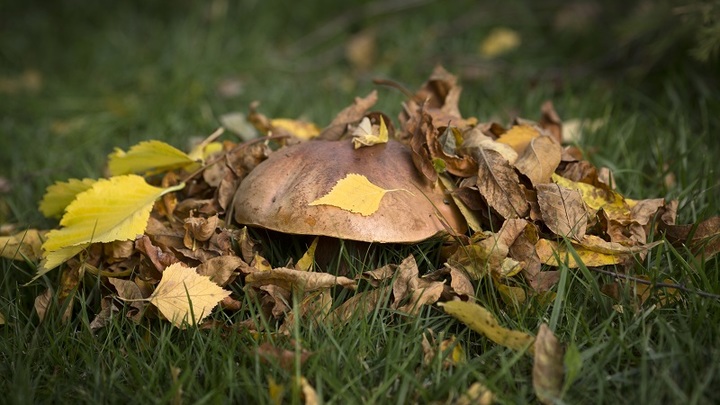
278 192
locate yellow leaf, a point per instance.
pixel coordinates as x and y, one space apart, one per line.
365 136
549 252
500 40
597 198
25 245
354 193
149 156
59 195
305 263
300 129
519 137
183 296
482 321
113 209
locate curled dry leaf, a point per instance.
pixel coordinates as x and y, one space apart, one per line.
222 269
290 279
352 114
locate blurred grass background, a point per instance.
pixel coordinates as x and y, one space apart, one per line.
78 78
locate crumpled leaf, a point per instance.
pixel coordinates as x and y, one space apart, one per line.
702 238
412 292
562 210
59 195
364 135
149 156
548 368
297 279
185 297
354 193
482 321
113 209
25 245
499 185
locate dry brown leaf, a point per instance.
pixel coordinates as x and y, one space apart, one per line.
290 279
548 368
129 291
25 245
451 352
222 269
499 185
702 238
359 305
410 291
540 159
282 357
562 210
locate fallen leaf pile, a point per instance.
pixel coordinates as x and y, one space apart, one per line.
159 237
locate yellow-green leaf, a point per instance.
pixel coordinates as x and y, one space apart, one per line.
183 296
550 252
59 195
365 136
113 209
149 156
482 321
354 193
306 261
597 198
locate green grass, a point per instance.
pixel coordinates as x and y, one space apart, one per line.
113 75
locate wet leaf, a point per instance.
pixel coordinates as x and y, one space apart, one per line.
354 193
482 321
59 195
548 367
562 210
149 156
499 185
185 297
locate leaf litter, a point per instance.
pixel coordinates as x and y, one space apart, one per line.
165 238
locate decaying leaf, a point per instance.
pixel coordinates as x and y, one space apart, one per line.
548 367
149 156
185 297
59 195
482 321
354 193
365 135
562 210
499 185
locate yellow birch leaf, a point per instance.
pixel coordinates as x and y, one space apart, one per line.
482 321
365 136
519 137
354 193
113 209
185 297
59 195
300 129
149 156
25 245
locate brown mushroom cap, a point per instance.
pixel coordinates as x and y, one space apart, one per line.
277 193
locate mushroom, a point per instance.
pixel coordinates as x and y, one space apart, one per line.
277 194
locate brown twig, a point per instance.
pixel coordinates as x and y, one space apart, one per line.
657 285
